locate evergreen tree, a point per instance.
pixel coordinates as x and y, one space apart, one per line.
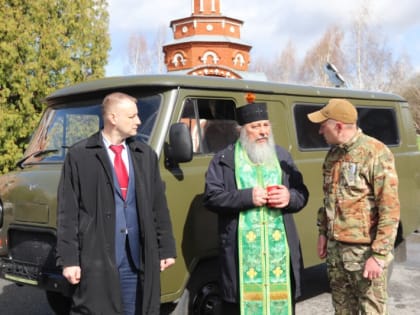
44 45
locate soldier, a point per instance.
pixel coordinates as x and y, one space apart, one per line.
359 220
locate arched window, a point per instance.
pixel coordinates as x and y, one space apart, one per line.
178 59
210 57
239 60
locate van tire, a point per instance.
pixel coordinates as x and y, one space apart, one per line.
204 289
202 293
59 303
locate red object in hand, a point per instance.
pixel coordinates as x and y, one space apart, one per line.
269 189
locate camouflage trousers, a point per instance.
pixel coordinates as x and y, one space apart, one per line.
352 294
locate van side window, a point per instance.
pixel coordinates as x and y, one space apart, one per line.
211 123
378 122
307 133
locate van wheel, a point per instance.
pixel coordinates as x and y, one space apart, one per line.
204 290
59 303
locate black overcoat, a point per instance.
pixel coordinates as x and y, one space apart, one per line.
86 226
223 197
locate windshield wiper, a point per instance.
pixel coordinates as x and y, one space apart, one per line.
35 154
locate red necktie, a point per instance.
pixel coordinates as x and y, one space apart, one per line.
120 169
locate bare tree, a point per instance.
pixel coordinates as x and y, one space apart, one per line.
160 39
411 91
263 65
139 56
399 74
282 69
372 65
286 64
359 29
146 58
368 55
327 50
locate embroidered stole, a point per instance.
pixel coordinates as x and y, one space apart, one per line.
264 263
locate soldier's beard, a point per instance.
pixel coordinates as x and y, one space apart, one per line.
259 153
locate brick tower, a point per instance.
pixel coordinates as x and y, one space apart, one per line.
207 44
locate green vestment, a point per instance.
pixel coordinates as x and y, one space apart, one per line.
264 263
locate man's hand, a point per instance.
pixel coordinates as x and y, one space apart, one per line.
72 274
322 246
259 196
166 263
278 197
373 268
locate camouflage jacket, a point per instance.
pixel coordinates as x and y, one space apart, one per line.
361 204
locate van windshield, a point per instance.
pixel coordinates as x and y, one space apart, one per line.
62 126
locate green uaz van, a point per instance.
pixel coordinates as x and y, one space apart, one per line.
186 119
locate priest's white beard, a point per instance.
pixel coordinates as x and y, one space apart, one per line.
259 153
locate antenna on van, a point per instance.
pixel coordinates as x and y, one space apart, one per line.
335 77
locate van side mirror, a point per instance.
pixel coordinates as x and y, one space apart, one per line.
179 149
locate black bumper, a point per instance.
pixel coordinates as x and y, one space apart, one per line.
28 274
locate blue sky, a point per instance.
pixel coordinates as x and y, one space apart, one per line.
302 21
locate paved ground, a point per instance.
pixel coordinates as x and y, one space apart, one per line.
404 289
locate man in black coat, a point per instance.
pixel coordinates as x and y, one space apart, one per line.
114 238
254 255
